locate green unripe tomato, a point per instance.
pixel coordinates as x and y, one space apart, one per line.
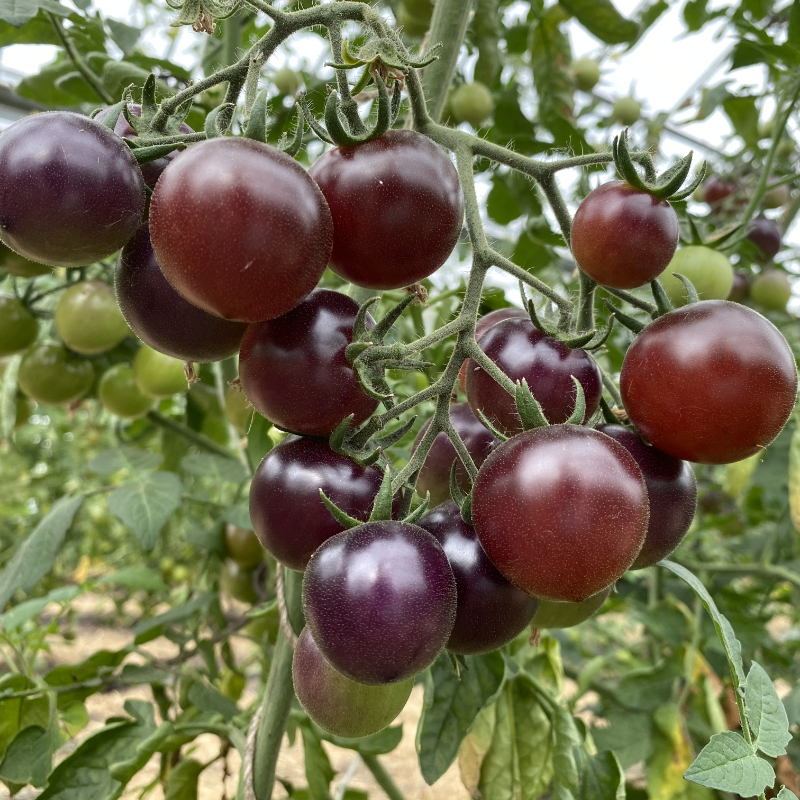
158 375
337 704
237 582
120 394
771 290
775 198
708 270
180 574
23 411
88 318
286 81
567 615
17 265
585 73
626 110
412 25
231 683
243 547
237 409
18 327
471 102
51 375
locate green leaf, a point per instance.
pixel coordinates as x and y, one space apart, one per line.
451 707
238 515
603 778
148 629
99 664
74 717
124 36
765 713
133 458
629 735
41 87
729 764
146 504
182 781
211 700
18 12
20 614
37 554
601 18
733 648
36 31
786 794
743 114
207 465
136 578
567 739
29 757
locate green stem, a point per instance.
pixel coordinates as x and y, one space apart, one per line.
382 777
194 437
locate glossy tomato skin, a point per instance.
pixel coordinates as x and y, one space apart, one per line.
523 351
434 477
671 490
561 511
160 317
294 371
490 611
715 190
766 236
287 513
239 229
71 193
483 325
380 601
397 208
713 382
623 237
153 169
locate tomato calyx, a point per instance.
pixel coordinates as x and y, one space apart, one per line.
201 14
462 499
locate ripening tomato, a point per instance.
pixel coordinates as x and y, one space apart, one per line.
715 190
121 395
88 319
772 290
51 375
708 270
713 382
766 236
18 327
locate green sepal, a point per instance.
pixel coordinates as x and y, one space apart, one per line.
367 382
624 163
355 349
406 363
466 509
491 428
292 146
319 131
629 322
397 99
696 181
112 116
345 520
456 494
336 439
385 325
580 340
608 414
336 127
579 414
136 123
360 322
604 334
528 408
671 180
389 439
149 103
362 82
219 120
257 121
347 56
382 507
419 511
535 321
144 155
691 292
663 304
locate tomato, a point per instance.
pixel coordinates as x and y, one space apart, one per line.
239 229
568 615
160 317
18 327
286 510
708 270
153 169
623 237
715 190
238 582
286 81
380 601
766 236
434 477
585 73
671 490
490 612
158 375
51 375
337 704
397 208
294 371
243 547
772 290
120 394
471 102
626 110
88 318
775 197
15 264
71 193
561 511
741 287
523 351
713 382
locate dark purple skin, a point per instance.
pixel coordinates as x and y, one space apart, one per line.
286 510
380 601
715 190
160 317
434 477
294 371
741 287
522 351
123 129
766 236
490 610
671 489
71 193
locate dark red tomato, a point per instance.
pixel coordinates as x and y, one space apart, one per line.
671 490
380 601
561 511
71 192
713 382
239 229
286 511
490 611
766 236
160 317
483 325
397 208
294 371
623 237
715 190
123 129
740 288
523 351
434 477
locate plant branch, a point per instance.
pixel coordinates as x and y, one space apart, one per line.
194 437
